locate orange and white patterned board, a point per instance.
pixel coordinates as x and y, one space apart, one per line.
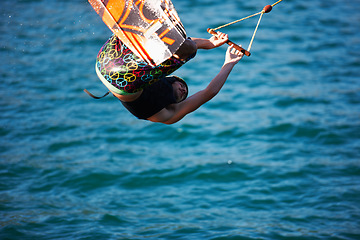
150 28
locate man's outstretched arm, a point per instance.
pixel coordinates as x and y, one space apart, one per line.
175 112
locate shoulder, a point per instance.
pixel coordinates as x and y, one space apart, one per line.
164 115
177 111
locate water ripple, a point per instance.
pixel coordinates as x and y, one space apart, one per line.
275 155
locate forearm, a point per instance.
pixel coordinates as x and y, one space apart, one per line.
215 41
218 82
202 43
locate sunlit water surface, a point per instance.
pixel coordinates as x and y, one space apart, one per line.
276 155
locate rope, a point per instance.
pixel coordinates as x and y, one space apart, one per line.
228 24
253 15
276 3
253 36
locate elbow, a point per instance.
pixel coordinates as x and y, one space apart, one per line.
171 121
167 122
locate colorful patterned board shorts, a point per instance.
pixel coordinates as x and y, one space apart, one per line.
124 73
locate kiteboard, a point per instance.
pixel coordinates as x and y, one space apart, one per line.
149 28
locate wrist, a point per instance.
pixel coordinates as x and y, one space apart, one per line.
229 64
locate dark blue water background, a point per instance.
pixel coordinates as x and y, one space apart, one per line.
276 155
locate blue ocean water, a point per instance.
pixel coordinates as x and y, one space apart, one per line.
276 155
